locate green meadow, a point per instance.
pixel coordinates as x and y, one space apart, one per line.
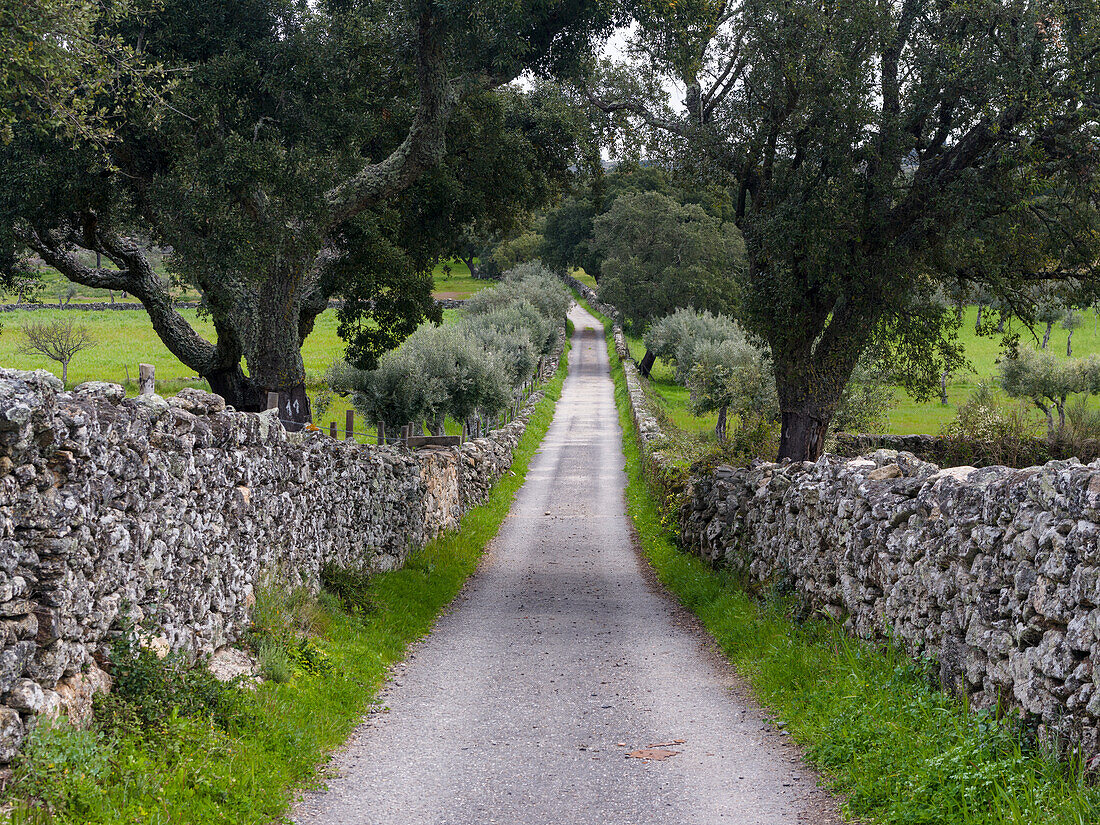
909 415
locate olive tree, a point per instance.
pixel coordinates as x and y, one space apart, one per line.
676 337
732 375
1048 381
469 371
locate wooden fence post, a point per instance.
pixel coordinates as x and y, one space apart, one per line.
147 379
332 429
349 428
381 430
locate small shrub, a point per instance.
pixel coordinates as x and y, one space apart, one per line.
308 657
470 371
148 690
274 661
987 431
286 612
61 767
1082 421
284 624
351 589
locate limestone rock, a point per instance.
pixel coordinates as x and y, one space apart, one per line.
75 694
112 393
27 696
12 731
229 663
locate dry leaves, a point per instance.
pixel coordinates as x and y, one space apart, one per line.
657 752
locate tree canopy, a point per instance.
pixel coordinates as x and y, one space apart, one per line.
61 67
658 255
307 151
875 154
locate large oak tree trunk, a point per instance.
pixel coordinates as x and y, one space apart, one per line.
809 390
272 348
802 437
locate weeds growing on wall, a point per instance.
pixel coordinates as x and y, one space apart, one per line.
895 748
171 745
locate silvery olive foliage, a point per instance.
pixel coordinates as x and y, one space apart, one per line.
1048 381
725 369
675 337
475 369
735 375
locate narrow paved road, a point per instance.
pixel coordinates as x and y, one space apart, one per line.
560 657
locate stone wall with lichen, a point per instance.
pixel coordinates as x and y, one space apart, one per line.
993 573
168 512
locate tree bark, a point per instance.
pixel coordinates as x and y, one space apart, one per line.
802 437
470 266
266 320
720 426
810 382
1050 419
646 364
1069 345
1046 335
943 389
237 389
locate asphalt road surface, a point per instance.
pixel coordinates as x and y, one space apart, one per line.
561 657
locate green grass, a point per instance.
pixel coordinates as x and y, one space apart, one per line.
893 747
126 339
909 416
453 280
585 278
194 774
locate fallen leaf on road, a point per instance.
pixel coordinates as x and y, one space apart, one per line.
655 754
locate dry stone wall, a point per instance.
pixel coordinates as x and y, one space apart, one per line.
171 511
994 573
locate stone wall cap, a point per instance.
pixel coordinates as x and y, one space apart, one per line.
101 389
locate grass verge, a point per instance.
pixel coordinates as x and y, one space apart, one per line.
894 747
240 759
